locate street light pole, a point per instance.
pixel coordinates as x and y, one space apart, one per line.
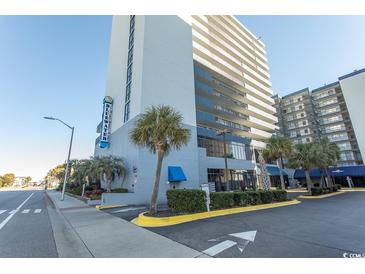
68 157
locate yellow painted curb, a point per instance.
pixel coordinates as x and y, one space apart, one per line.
146 221
295 190
353 189
320 196
108 206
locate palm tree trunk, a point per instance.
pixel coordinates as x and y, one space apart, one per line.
321 181
309 182
109 186
329 179
156 186
280 161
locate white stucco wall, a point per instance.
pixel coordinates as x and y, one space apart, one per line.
353 89
168 76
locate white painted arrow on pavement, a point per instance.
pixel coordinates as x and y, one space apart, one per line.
244 237
248 235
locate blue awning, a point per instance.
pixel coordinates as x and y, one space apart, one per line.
274 170
176 174
334 171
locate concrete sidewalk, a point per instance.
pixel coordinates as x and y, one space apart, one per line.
105 236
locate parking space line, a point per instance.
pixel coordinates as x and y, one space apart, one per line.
128 209
26 211
37 210
3 223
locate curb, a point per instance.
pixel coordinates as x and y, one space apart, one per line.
353 189
108 206
298 190
320 196
146 221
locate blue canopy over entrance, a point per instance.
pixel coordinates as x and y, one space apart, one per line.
176 174
352 171
274 170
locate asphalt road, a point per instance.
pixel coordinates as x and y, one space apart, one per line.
25 228
315 228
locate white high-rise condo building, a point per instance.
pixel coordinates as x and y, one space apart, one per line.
211 69
334 111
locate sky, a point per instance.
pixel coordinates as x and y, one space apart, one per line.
56 66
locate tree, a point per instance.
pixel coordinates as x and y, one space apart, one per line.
57 173
304 156
327 154
160 130
108 168
27 179
278 148
8 179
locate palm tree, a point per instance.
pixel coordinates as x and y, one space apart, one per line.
278 148
327 155
84 171
108 168
159 129
304 156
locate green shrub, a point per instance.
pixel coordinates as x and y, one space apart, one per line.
119 190
59 187
254 197
279 195
266 196
240 198
316 191
327 190
186 200
89 188
75 191
220 200
338 186
95 197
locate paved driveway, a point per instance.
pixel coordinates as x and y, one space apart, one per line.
315 228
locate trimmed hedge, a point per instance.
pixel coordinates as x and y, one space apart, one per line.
279 195
266 196
193 200
240 198
219 200
186 200
324 190
254 197
316 191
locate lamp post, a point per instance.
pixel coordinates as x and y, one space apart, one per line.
223 134
68 157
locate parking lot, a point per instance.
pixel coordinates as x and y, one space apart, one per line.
315 228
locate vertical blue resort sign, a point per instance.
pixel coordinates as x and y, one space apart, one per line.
106 122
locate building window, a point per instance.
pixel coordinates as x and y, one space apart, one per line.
234 150
127 101
238 179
